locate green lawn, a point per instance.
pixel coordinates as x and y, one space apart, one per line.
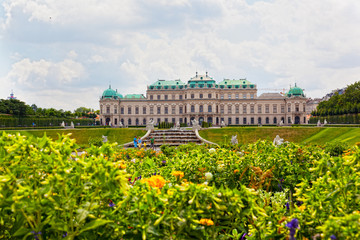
82 136
303 135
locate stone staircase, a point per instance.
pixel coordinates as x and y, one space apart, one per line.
171 137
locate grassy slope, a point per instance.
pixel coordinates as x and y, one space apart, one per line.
119 135
298 134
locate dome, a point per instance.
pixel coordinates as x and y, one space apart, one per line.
110 93
295 91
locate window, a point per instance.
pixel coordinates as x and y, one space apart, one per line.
244 108
173 120
192 108
201 95
136 121
166 97
144 121
282 108
244 95
289 108
297 108
166 110
180 97
251 109
173 97
137 110
173 110
244 120
275 120
267 120
115 111
229 121
289 120
180 109
201 108
259 120
129 121
252 96
158 120
192 96
166 120
158 97
158 110
209 95
151 110
115 121
252 121
229 96
237 96
221 96
274 108
151 97
101 109
129 110
237 122
209 108
108 110
267 108
259 108
122 110
237 109
221 109
229 109
144 110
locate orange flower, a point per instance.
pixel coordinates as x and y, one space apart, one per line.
179 174
156 181
236 171
206 222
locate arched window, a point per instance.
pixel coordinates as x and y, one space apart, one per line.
259 120
192 108
144 121
201 108
275 120
129 122
137 121
267 120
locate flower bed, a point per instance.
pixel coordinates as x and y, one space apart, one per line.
255 191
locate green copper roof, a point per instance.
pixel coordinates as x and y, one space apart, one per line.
134 96
295 91
167 83
110 93
241 83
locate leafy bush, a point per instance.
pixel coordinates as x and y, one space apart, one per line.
336 148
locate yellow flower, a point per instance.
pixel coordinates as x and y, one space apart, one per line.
122 166
206 222
302 207
178 174
156 181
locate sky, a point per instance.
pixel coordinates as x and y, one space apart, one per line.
64 54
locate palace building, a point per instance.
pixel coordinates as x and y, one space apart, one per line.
234 102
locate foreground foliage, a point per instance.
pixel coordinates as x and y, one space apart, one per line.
255 191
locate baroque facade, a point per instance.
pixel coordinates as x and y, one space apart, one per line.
233 101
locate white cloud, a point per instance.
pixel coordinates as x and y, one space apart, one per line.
44 74
133 43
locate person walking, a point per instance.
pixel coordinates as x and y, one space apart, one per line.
135 142
152 142
139 142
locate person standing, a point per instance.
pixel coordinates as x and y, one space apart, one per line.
139 142
135 142
152 142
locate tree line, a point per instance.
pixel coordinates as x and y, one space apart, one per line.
346 103
20 109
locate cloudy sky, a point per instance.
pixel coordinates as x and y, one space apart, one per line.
65 53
